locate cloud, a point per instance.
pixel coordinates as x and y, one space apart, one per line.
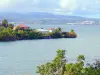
68 4
5 3
18 5
73 7
80 7
97 1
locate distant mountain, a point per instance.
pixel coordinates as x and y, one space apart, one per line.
34 15
40 17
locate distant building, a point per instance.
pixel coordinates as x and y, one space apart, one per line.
88 22
21 26
51 29
42 30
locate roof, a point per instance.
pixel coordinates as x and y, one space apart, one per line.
52 29
42 30
23 26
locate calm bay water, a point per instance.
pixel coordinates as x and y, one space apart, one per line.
22 57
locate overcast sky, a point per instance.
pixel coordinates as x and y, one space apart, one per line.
70 7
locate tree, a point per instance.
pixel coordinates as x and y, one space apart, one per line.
22 35
72 31
7 34
75 68
5 23
59 29
2 28
56 67
11 26
59 66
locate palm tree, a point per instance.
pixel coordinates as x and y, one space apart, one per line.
5 23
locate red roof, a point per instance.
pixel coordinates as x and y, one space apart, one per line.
23 26
52 29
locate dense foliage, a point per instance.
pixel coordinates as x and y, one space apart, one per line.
59 66
7 33
5 23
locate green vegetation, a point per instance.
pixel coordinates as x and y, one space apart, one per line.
59 66
9 32
5 23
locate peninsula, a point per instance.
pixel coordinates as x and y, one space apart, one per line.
10 32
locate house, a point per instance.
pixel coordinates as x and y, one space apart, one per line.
42 30
22 26
51 29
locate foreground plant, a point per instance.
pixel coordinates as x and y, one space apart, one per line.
59 66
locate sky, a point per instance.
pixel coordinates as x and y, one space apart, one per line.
89 8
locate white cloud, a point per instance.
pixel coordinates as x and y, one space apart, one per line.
18 5
68 4
80 7
73 7
5 3
97 1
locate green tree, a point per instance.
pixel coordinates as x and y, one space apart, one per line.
56 67
21 34
59 66
56 34
11 26
1 28
75 68
5 23
72 31
7 35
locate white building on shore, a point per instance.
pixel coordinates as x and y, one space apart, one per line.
43 30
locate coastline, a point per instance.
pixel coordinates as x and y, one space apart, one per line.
10 32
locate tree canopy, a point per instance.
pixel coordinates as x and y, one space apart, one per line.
60 66
5 23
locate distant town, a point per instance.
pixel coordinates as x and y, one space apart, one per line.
84 23
45 22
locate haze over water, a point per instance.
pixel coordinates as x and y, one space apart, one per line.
21 57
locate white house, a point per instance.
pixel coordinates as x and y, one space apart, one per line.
43 30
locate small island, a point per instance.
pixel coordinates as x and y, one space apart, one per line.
10 32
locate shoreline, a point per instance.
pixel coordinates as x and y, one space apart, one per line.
36 39
10 32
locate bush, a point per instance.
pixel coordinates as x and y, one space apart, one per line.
59 66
